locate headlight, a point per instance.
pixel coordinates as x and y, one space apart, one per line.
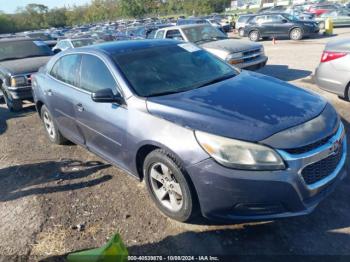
18 81
235 58
239 154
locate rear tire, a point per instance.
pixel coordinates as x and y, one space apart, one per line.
254 36
169 186
296 34
50 126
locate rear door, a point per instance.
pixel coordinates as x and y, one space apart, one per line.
103 124
62 94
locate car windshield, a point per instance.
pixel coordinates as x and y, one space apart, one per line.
22 49
171 69
203 33
82 42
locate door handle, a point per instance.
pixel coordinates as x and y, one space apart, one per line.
80 107
48 92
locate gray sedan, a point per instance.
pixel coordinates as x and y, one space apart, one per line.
333 73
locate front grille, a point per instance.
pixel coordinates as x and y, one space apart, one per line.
254 53
307 148
323 168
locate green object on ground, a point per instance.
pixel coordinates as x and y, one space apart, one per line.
113 251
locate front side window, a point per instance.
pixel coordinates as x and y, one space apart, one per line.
160 34
95 75
66 69
170 69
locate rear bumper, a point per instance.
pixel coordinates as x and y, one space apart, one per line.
21 93
331 80
239 195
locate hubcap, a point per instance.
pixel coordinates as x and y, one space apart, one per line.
49 125
254 36
165 187
295 34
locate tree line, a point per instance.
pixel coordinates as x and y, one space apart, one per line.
37 16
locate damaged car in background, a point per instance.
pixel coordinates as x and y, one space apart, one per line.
240 53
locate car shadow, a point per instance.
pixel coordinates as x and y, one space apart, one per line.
48 177
284 73
5 115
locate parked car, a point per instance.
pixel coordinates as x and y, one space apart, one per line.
272 9
19 59
65 44
279 25
234 145
241 22
319 9
191 21
339 18
333 73
239 53
45 37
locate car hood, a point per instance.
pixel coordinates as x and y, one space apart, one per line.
249 107
222 48
25 65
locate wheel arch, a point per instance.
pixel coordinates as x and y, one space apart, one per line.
146 148
39 104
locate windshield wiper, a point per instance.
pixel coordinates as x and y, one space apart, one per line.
210 39
217 80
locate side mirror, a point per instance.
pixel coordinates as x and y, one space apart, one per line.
284 21
107 96
56 51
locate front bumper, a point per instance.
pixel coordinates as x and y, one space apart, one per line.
253 64
240 195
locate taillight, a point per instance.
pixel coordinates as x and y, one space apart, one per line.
329 56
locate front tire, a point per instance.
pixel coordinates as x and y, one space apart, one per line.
14 105
169 186
50 126
296 34
254 36
241 32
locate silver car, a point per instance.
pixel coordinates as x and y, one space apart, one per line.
240 53
333 73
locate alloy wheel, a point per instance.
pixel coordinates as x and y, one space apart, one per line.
165 187
49 125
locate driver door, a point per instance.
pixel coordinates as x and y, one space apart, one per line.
103 125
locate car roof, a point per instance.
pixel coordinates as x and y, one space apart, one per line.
15 39
117 47
184 26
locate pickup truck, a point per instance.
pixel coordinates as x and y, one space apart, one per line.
239 53
19 59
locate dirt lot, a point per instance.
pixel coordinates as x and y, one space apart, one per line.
46 190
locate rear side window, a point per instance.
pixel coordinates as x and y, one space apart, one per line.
95 75
66 69
243 19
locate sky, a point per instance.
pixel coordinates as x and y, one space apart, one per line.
10 6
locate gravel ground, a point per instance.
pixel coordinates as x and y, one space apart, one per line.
46 190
